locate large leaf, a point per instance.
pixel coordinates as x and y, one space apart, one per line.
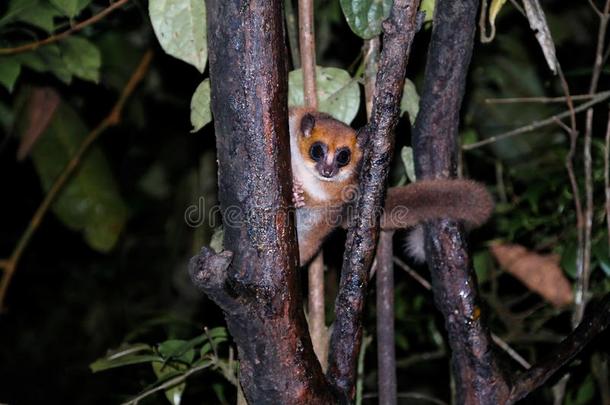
201 113
90 201
180 27
365 16
338 93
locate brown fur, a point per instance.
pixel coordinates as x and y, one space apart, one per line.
462 200
459 199
334 134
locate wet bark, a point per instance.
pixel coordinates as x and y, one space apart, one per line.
378 139
478 377
255 279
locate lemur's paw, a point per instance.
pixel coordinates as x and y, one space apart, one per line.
298 197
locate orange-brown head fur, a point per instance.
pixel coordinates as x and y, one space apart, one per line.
329 147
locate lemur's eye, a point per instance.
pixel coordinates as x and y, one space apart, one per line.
343 157
317 151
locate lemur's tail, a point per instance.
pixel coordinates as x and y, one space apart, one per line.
459 199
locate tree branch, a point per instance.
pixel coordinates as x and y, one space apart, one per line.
346 339
590 327
265 312
386 356
478 376
62 35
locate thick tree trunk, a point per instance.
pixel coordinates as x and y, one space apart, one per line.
259 290
477 374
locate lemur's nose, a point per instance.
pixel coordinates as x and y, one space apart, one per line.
327 171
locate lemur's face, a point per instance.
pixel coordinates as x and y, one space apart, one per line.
329 148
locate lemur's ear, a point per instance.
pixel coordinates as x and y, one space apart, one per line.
308 122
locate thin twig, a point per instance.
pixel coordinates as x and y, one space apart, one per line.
316 311
594 7
110 120
510 351
607 175
386 352
293 36
62 35
582 281
415 275
308 52
517 6
317 319
168 384
370 50
559 388
543 100
497 340
411 395
538 124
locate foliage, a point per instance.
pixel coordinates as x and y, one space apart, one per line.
123 230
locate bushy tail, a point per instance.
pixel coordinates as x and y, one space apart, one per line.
459 199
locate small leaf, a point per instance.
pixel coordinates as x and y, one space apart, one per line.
180 27
406 154
338 93
46 59
494 9
410 101
201 113
167 371
427 6
365 16
82 58
70 8
41 15
174 349
9 72
15 9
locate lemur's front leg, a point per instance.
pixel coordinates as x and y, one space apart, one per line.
298 194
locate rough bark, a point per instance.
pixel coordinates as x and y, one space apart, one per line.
386 355
254 281
378 137
478 377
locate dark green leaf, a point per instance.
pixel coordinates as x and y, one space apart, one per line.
71 8
41 15
365 16
82 58
174 349
166 372
46 59
9 72
90 201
